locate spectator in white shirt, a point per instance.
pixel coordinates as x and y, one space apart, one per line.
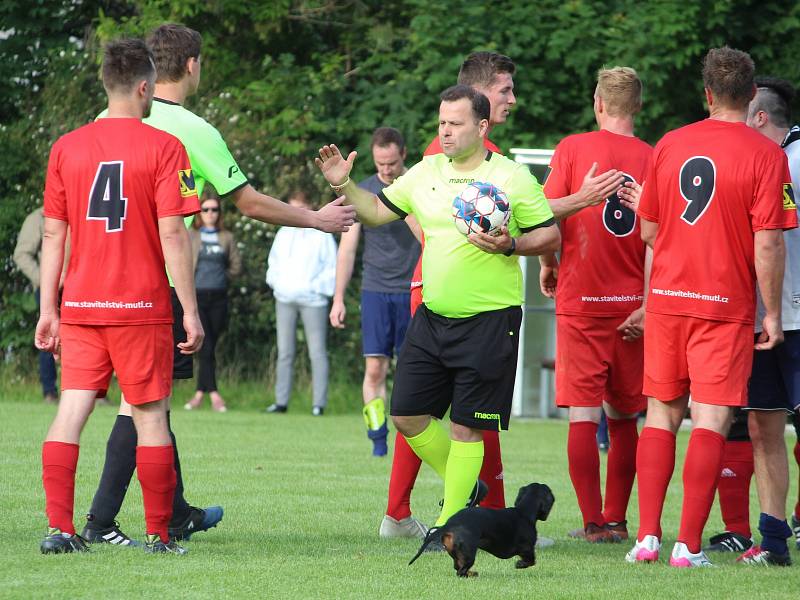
302 274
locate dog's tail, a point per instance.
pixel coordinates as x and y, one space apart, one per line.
433 534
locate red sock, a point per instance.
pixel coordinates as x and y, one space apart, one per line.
700 475
797 459
584 470
492 471
622 439
734 486
655 461
155 467
405 467
59 461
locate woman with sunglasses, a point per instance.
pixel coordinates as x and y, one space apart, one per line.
216 261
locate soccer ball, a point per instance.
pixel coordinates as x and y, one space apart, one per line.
481 207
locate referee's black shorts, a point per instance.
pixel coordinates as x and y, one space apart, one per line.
467 365
182 364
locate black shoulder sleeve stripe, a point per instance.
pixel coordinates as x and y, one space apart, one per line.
400 213
232 190
547 223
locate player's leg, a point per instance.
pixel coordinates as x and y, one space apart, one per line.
398 521
621 464
143 361
666 383
315 325
719 357
583 355
86 367
774 392
772 482
59 462
624 401
733 489
377 344
422 390
286 330
796 512
482 353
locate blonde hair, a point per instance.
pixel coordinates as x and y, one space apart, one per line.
621 90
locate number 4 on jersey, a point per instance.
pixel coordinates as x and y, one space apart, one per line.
105 200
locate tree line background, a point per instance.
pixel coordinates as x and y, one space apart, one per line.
281 77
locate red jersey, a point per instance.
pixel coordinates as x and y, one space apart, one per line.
602 253
111 181
435 147
711 186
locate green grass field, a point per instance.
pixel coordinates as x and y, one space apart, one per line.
303 500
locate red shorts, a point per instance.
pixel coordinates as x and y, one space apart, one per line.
594 364
141 356
711 360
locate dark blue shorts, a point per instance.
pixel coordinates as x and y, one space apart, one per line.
384 321
775 381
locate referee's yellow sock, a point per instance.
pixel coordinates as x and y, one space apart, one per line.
463 467
432 446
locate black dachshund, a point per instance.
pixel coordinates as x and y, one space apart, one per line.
504 533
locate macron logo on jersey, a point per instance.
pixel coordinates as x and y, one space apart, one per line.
186 179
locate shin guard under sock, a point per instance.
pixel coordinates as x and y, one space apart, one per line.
700 475
59 461
655 462
463 466
432 446
405 467
734 487
621 467
156 471
584 470
492 471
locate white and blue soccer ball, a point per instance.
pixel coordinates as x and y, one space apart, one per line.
481 207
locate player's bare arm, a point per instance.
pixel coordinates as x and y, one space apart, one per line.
53 240
178 256
630 194
541 240
770 256
345 259
331 218
336 170
548 274
413 225
594 189
649 230
632 328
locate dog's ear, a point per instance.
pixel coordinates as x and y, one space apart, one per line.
546 500
520 495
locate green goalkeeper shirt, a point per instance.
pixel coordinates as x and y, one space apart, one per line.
459 279
208 153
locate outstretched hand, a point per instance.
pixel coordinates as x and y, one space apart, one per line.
335 216
335 168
